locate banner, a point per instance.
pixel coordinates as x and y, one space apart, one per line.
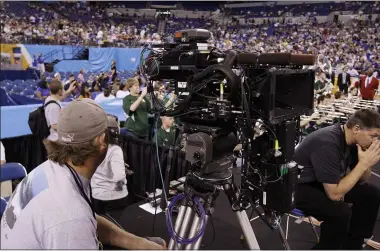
12 57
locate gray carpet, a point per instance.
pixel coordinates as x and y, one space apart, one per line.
224 232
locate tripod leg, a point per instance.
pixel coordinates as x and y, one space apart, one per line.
314 230
287 226
185 225
193 231
282 235
197 244
178 224
246 226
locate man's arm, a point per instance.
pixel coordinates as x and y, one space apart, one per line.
68 92
53 111
136 104
112 235
337 191
365 176
367 159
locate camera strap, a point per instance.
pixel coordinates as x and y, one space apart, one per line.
88 200
81 189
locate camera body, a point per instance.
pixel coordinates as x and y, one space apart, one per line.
257 98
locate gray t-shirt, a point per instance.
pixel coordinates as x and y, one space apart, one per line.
109 180
52 112
47 211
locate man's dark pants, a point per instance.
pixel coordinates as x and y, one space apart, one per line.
345 223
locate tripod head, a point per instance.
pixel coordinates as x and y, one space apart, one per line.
211 156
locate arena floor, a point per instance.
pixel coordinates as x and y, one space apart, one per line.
227 230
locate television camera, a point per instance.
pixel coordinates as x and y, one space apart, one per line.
232 102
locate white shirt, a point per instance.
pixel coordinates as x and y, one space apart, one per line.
122 94
2 152
47 211
109 181
101 97
52 112
368 81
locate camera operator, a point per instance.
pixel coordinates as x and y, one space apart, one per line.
336 162
136 106
51 208
109 183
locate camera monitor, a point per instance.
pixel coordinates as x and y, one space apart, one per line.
286 94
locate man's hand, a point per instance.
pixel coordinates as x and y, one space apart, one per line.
371 156
72 86
144 92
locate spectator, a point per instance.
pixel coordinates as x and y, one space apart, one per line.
113 70
41 65
53 109
77 86
57 76
344 81
42 91
105 95
109 183
123 92
56 194
95 90
84 92
368 85
136 107
81 76
116 86
2 154
167 135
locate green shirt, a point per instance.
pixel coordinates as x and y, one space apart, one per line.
138 120
166 138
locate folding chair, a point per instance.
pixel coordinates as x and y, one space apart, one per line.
3 205
300 215
12 171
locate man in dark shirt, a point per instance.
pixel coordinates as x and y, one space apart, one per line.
336 161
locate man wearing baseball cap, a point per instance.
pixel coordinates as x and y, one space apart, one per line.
51 208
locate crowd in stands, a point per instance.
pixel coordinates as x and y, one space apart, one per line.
355 45
54 24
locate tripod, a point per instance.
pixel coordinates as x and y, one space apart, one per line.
207 187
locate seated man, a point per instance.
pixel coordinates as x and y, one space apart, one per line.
336 162
109 182
51 208
167 135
